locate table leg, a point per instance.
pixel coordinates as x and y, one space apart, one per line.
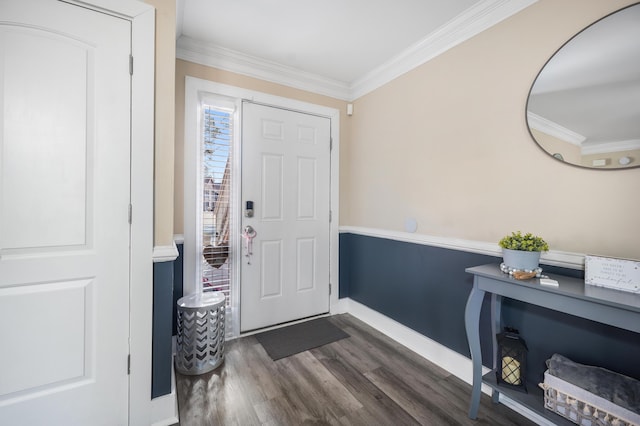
496 327
472 326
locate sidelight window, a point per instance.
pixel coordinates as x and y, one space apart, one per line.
216 153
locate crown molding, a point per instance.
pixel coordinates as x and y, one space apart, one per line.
474 20
552 128
193 50
479 17
609 147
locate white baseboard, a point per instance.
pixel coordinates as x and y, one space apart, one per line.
455 363
164 409
458 365
341 307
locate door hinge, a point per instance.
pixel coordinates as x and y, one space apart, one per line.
330 144
330 216
130 64
129 364
130 213
329 289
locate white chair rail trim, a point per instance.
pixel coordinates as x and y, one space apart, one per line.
552 257
165 253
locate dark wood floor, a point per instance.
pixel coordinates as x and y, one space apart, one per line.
366 379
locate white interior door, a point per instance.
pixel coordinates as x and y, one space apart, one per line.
286 174
64 228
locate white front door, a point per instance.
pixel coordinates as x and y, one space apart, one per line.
64 227
286 175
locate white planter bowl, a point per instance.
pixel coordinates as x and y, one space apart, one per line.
521 260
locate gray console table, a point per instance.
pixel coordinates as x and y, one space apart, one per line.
572 296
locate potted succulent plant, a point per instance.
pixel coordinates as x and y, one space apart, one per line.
522 251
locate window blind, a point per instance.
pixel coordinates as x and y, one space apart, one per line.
217 137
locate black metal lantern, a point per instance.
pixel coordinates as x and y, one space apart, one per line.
512 360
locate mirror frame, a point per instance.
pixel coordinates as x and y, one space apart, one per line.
558 156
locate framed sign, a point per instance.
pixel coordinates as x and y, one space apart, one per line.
620 274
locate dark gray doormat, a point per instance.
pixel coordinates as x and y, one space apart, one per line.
290 340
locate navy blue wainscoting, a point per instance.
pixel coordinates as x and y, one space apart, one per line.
162 351
426 289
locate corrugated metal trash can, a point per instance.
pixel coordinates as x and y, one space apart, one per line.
200 340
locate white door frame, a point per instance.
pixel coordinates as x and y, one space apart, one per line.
194 88
142 409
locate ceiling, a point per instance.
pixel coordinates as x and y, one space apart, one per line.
347 48
335 47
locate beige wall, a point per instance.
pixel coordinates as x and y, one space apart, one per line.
184 68
447 144
164 120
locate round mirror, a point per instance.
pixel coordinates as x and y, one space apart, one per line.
584 105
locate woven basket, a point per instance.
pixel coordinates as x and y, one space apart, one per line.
583 407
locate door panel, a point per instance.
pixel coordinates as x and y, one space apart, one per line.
59 156
307 188
271 268
272 187
64 231
286 172
68 306
305 265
